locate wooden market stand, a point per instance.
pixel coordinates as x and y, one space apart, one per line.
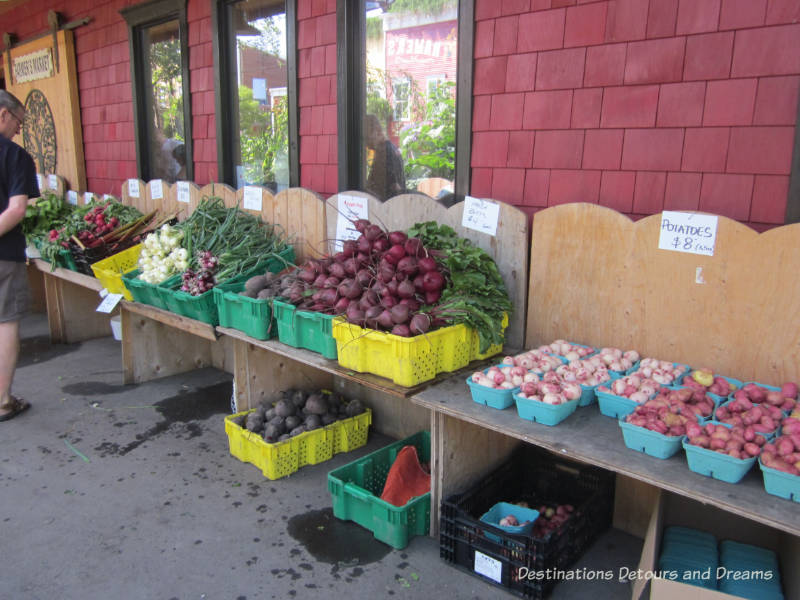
595 277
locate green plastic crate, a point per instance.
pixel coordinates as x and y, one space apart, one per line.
356 488
305 329
203 307
147 293
249 315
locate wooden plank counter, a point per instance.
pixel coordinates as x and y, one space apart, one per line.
71 299
590 437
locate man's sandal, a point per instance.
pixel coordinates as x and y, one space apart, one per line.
13 408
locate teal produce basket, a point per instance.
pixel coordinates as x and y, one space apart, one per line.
356 489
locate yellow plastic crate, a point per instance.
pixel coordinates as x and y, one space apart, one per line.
110 270
407 361
309 448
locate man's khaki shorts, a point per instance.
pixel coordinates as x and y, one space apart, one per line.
15 295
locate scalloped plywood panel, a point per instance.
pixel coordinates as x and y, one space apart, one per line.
598 278
509 248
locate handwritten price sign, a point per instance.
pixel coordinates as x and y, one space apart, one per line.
688 232
480 215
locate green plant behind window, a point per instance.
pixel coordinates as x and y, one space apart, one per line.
264 136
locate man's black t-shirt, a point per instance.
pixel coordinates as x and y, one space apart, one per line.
17 177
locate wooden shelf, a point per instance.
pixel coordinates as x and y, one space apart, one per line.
590 437
193 326
87 281
313 359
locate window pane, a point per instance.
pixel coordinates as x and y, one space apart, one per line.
262 147
409 127
165 127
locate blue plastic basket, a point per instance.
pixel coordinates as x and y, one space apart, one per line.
546 414
778 483
503 509
650 442
492 397
615 406
715 464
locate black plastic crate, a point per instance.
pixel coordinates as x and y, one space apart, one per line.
538 478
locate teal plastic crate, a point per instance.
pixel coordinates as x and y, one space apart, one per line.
546 414
147 293
778 483
305 329
715 464
493 397
614 406
650 442
356 488
248 315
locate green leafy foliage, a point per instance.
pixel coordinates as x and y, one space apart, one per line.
475 294
264 136
46 213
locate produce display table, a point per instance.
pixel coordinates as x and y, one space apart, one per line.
590 437
71 300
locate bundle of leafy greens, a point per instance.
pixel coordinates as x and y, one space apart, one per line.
475 294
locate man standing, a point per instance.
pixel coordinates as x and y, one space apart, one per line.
17 185
386 177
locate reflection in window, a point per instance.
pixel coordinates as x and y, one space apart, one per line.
411 60
164 102
261 150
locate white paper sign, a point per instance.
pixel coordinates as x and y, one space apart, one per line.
133 188
480 215
252 198
88 197
488 567
108 197
39 180
108 303
351 208
52 182
688 232
156 189
183 192
72 197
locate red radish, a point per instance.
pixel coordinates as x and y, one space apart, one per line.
401 330
391 288
320 280
349 248
364 277
389 301
400 313
354 314
337 270
433 281
349 288
361 225
405 289
371 316
397 237
427 263
385 274
408 266
328 297
341 305
306 275
363 244
385 319
372 232
350 266
418 283
331 282
413 246
432 297
380 245
394 254
362 258
411 303
420 323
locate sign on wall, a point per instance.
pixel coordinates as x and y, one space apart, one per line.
33 66
42 74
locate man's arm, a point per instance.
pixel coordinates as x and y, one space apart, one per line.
13 215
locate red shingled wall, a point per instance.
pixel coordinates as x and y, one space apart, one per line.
316 75
639 105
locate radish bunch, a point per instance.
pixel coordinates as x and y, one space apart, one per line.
636 387
660 371
783 453
735 441
503 377
550 391
615 359
380 280
659 415
584 372
534 360
762 418
202 280
566 349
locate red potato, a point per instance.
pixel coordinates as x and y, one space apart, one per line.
726 440
667 419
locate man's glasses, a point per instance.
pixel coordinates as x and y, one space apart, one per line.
17 118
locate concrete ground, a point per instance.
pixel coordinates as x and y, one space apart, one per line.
113 491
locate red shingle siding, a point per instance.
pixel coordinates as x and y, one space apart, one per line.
641 105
